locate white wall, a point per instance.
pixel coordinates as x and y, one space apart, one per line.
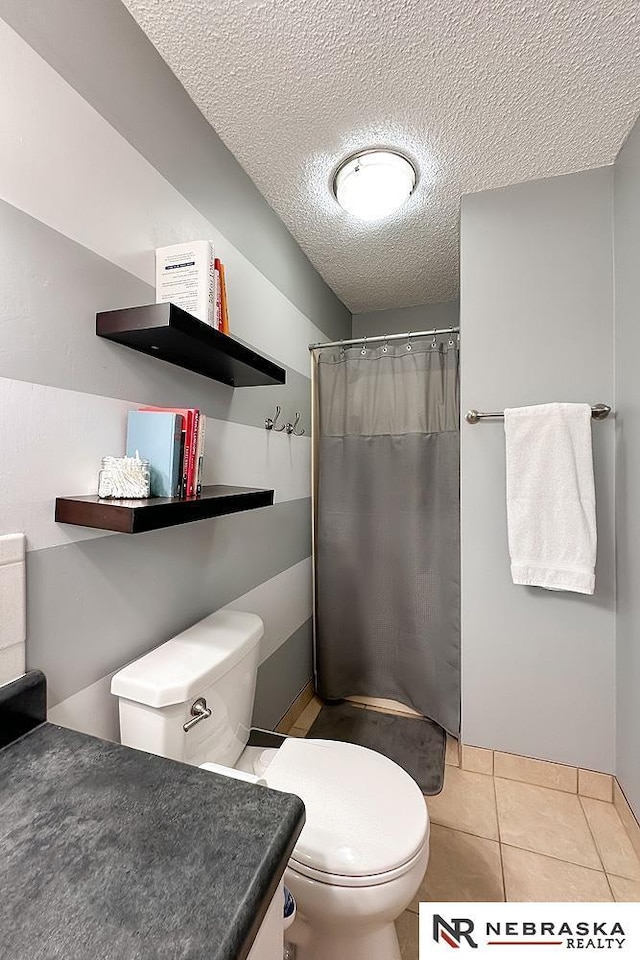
627 336
536 318
425 316
13 607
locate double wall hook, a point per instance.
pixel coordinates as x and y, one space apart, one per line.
270 424
291 427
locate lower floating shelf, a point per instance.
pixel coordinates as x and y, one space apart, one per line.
140 516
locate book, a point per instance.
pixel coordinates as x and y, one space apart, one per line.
218 289
155 437
185 275
190 415
202 425
224 319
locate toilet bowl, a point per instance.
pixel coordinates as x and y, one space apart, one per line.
362 853
364 848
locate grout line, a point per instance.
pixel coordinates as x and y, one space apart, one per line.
541 786
446 826
495 800
550 856
591 832
633 830
514 846
504 879
613 896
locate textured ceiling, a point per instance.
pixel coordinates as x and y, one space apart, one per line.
481 93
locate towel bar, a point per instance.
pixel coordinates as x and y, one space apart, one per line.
599 411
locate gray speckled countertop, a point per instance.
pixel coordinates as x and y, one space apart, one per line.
107 853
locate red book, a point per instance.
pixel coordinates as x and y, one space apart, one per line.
190 416
224 326
218 271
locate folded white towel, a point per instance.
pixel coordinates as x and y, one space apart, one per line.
551 509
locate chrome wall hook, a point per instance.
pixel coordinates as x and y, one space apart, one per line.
270 424
291 427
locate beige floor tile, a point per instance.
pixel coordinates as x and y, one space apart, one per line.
295 709
599 786
297 732
452 756
309 714
612 840
461 868
531 877
407 930
390 706
625 891
625 813
542 773
467 803
476 759
545 821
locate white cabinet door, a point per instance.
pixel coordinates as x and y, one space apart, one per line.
269 941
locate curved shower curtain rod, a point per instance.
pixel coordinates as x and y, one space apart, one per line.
409 335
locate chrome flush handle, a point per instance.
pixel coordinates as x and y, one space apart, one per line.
199 711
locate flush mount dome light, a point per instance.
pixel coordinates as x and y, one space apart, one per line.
373 183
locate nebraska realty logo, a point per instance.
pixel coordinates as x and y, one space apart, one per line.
537 926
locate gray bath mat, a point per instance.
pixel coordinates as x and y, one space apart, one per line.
416 745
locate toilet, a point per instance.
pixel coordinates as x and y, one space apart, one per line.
364 848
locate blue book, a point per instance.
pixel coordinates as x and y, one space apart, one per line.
156 437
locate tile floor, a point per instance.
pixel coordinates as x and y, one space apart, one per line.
496 838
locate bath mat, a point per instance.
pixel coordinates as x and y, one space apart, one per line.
416 745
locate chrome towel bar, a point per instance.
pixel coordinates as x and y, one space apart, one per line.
599 411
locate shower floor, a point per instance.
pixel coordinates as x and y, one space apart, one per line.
415 744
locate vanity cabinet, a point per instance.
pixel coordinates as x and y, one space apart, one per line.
269 941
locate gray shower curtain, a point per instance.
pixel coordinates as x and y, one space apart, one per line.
387 528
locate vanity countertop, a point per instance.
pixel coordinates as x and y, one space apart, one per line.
108 853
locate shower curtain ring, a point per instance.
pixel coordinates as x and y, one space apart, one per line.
434 342
364 347
385 347
409 340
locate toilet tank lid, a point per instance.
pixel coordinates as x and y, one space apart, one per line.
181 668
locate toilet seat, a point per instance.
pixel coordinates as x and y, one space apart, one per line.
367 820
338 880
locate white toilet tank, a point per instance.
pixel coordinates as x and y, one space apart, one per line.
215 659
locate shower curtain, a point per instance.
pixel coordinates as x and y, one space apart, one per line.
387 527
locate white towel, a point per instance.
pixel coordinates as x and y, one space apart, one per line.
551 508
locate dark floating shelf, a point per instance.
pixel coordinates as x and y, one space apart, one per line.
165 331
139 516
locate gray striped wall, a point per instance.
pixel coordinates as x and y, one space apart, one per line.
99 49
129 140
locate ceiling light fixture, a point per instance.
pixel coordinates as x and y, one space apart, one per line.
373 183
